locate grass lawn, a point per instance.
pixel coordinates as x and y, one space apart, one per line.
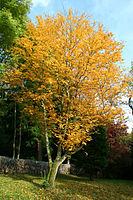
27 187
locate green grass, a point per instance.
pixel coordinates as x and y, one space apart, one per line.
27 187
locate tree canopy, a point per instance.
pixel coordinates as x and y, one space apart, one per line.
65 68
13 16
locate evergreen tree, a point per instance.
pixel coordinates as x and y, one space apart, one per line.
94 157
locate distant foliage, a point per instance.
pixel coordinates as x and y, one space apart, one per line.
115 135
119 142
13 16
13 19
93 158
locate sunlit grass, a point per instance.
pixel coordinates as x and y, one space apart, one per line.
27 187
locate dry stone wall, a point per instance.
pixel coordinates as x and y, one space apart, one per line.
21 166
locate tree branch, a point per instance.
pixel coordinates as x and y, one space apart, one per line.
46 135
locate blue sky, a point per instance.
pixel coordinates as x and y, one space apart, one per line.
116 15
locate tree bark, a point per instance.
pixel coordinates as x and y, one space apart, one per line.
14 137
68 160
53 173
54 169
39 150
55 166
20 136
130 103
47 141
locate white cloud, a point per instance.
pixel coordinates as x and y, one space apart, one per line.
43 3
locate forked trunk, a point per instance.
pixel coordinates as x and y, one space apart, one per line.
53 173
53 166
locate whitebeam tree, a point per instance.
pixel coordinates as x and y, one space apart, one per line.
67 74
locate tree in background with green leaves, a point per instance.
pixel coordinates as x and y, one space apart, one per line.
13 17
93 158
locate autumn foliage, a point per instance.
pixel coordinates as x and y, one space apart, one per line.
115 134
119 142
65 70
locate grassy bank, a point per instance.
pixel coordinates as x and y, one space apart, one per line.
28 187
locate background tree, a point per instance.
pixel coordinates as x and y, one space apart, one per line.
13 18
69 80
132 153
119 142
30 135
93 158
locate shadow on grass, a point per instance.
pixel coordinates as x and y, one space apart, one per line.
27 178
65 178
99 189
74 186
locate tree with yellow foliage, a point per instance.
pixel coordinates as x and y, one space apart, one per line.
67 73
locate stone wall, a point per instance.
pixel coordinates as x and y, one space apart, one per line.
21 166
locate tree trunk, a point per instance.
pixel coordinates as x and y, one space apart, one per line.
91 177
53 173
39 150
47 141
14 137
20 136
68 160
54 167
